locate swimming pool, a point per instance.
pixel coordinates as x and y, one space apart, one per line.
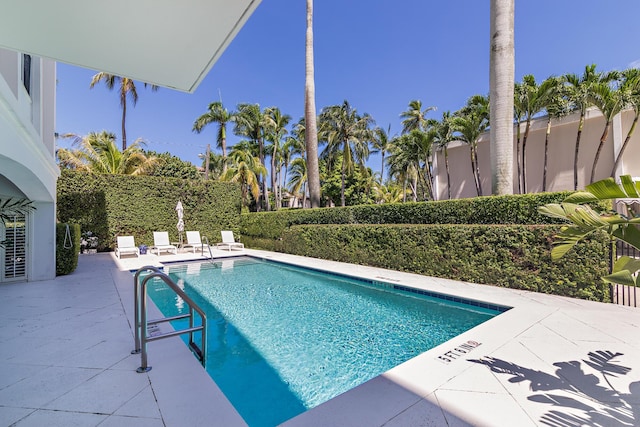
283 339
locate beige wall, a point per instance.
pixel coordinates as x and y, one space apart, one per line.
560 159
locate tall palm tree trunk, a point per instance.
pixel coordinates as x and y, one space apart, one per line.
473 170
546 152
311 133
124 115
224 155
518 137
263 179
342 184
524 156
476 169
575 155
446 167
501 95
429 179
603 138
624 144
274 181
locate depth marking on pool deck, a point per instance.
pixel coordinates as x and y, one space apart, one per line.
458 351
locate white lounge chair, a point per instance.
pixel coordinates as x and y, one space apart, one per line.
229 242
194 241
126 245
161 243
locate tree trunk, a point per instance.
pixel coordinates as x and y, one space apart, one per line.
311 133
263 179
446 166
501 87
524 156
603 138
624 144
473 170
224 155
518 158
575 155
546 152
477 170
274 182
206 162
343 172
124 132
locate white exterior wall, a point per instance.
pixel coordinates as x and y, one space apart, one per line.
560 156
27 147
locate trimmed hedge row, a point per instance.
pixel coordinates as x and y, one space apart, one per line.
112 205
515 209
67 248
513 256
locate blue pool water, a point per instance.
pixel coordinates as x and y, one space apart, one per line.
283 339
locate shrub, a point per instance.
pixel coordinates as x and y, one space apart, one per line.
516 209
67 248
112 205
512 256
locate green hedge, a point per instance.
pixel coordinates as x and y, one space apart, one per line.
516 209
67 248
112 205
513 256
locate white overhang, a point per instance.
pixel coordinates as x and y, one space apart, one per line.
171 43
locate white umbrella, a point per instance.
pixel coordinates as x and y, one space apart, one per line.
180 225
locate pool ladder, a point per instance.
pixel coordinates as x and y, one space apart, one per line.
209 248
141 323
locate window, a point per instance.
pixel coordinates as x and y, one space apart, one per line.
14 261
26 72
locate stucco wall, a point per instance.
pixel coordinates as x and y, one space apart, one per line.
560 157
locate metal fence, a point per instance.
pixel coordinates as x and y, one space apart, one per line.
621 294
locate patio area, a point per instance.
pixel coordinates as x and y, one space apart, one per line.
548 361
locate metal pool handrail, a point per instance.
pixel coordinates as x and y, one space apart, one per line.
141 322
208 247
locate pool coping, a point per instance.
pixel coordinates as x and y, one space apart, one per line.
455 382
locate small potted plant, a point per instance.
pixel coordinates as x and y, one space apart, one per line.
88 242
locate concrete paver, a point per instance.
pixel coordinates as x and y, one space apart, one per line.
65 352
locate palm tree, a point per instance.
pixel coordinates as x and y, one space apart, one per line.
276 123
518 116
580 97
245 170
220 115
347 133
557 107
215 167
442 136
402 166
610 102
531 99
389 193
381 143
311 136
630 89
97 153
501 79
469 123
127 88
250 122
415 116
298 179
412 152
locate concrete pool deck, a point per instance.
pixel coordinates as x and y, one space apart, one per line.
65 348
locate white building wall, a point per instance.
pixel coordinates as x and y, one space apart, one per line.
560 157
27 147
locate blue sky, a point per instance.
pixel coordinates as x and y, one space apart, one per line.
376 54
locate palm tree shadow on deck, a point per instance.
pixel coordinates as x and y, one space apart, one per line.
578 398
